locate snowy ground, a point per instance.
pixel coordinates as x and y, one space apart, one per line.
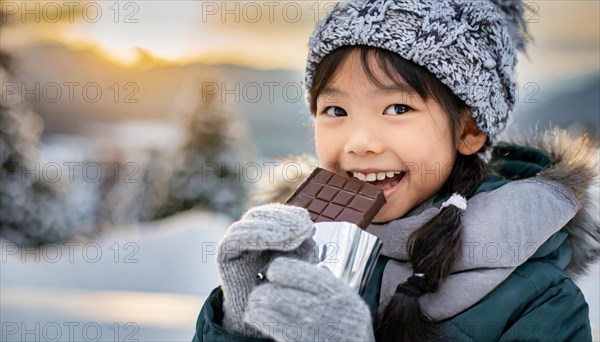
147 284
144 285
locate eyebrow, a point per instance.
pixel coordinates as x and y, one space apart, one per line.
330 90
404 88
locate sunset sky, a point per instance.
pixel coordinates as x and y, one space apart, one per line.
265 34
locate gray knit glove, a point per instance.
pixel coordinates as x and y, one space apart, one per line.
250 244
305 302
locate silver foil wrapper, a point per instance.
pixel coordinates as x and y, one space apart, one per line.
348 251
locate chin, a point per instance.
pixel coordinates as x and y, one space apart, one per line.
383 217
386 215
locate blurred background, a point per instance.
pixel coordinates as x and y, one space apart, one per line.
131 133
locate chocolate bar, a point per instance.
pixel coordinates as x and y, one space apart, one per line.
329 197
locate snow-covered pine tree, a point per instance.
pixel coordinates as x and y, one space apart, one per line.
207 172
34 210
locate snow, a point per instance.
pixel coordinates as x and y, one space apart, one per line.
146 282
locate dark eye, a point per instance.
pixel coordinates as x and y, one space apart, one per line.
335 111
396 109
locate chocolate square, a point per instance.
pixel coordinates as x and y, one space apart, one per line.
317 206
332 210
327 193
354 185
343 197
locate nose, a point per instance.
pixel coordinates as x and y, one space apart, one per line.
364 139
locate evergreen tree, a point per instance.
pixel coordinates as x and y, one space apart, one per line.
33 208
207 173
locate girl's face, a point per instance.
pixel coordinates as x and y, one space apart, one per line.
362 130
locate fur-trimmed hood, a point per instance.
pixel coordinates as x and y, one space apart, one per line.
574 163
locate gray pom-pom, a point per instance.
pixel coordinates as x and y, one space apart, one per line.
514 10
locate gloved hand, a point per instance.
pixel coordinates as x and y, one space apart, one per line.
306 302
250 244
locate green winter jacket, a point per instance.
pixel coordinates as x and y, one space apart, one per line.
537 302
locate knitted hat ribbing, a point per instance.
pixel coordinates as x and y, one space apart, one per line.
469 45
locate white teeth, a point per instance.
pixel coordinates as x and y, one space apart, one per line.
370 177
360 176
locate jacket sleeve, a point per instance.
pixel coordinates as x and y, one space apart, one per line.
208 325
559 314
537 302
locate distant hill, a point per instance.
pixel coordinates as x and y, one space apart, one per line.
158 92
573 104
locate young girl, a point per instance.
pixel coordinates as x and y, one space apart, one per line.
480 238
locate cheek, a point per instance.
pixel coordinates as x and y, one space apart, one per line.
325 145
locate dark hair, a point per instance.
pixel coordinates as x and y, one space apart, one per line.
434 247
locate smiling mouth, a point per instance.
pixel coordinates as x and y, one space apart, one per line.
385 183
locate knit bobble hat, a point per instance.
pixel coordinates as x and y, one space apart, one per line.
469 45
